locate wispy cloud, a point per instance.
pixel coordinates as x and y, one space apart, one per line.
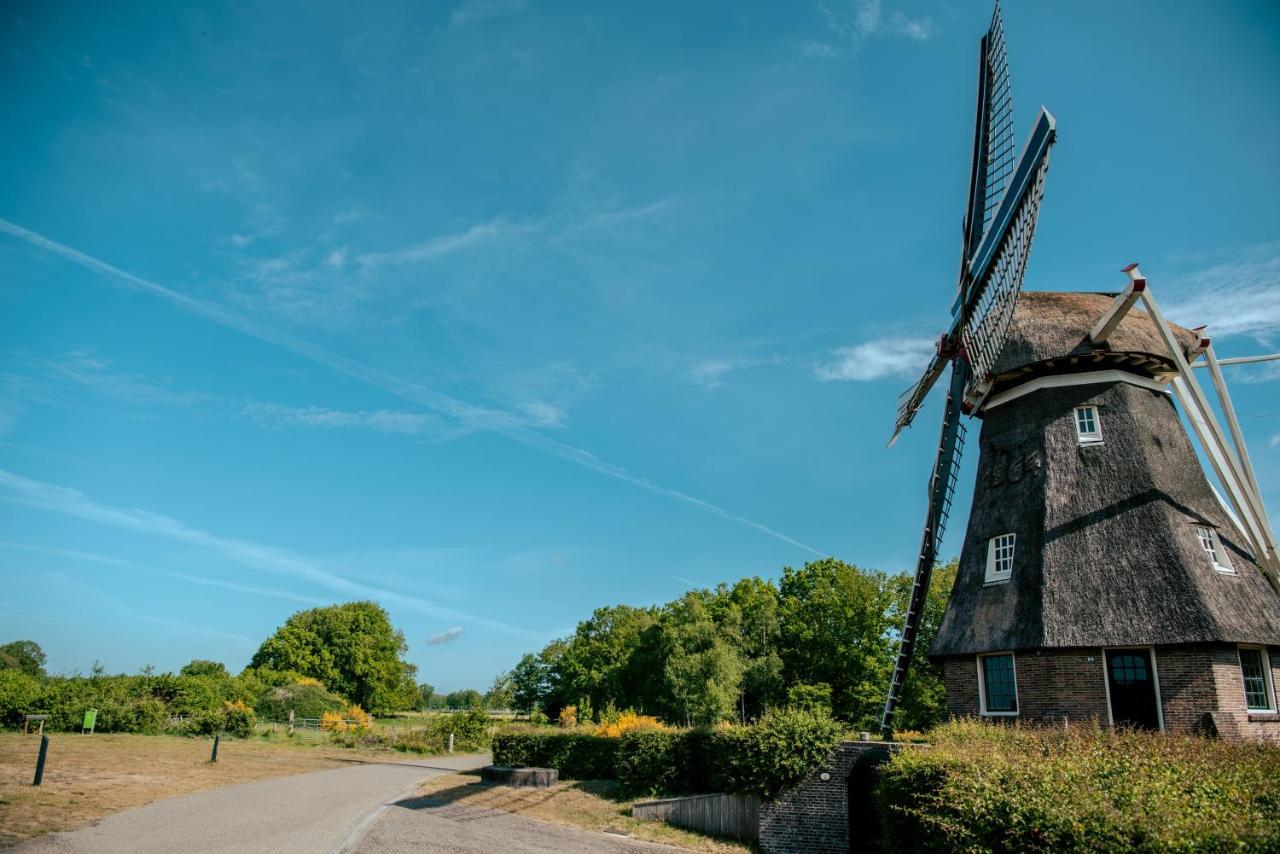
382 420
277 561
466 416
247 589
1239 296
474 11
445 244
446 636
88 369
710 373
71 553
855 21
874 360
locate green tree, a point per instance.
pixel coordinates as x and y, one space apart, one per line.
23 655
834 629
205 667
425 694
530 683
468 698
703 668
351 648
501 695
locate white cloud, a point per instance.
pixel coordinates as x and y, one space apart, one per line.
337 259
864 19
382 420
240 240
437 247
85 368
1237 297
710 373
1275 441
446 636
474 11
874 360
277 561
818 50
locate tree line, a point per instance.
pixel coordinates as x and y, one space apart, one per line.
824 635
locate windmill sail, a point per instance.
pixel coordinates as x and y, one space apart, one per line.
999 226
993 153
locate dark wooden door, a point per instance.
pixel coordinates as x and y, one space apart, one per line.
1132 683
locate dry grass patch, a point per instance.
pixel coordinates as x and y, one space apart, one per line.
589 805
91 776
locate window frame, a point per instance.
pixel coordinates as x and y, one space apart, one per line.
1268 684
1093 437
993 574
982 685
1213 549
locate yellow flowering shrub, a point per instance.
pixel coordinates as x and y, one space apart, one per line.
568 716
354 719
627 721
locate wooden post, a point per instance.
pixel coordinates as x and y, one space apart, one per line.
451 742
213 757
291 722
44 752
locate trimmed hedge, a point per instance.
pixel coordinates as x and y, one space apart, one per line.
578 756
987 787
763 758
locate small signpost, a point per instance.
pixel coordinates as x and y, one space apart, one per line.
28 720
213 757
90 721
44 751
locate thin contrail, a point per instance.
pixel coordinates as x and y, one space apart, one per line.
474 417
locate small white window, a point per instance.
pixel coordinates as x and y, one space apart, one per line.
1255 668
1000 557
1088 426
997 684
1212 545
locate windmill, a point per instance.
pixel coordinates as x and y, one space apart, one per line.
1132 554
999 225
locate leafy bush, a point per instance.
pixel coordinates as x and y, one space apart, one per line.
987 787
577 755
237 719
147 715
306 698
19 695
763 758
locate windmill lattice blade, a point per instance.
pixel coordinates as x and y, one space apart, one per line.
999 152
1001 261
911 399
942 485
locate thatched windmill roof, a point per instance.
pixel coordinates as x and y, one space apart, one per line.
1107 553
1049 333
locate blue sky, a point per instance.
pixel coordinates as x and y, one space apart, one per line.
497 311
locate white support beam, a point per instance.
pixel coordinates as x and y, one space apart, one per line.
1226 464
1242 450
1241 360
1111 319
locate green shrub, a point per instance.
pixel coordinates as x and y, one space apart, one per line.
20 695
147 715
763 758
305 700
654 761
984 787
237 719
578 756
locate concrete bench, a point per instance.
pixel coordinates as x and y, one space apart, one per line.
506 775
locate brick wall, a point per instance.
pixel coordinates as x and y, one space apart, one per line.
1200 689
813 817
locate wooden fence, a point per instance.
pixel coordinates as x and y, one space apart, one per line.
736 816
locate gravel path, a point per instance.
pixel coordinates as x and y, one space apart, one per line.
324 811
432 825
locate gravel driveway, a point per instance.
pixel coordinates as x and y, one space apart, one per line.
433 825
